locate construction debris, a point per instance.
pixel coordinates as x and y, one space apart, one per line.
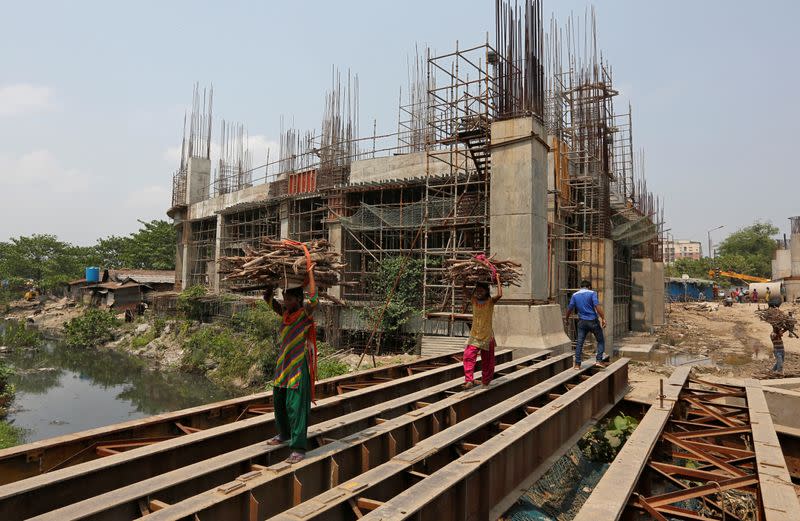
283 263
778 319
482 269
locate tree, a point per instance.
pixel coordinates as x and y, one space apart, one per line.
405 302
44 259
152 248
750 249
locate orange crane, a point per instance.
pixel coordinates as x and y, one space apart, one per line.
716 273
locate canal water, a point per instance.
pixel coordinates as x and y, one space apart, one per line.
61 390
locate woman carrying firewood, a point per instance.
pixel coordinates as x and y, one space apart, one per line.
295 371
481 334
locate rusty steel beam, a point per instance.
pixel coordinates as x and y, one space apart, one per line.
778 495
62 487
485 481
35 458
610 495
375 433
416 464
728 429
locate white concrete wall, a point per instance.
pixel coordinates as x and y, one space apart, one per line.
209 207
406 166
782 264
794 248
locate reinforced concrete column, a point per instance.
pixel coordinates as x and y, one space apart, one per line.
284 214
335 239
518 230
518 202
605 292
198 180
214 275
658 294
642 294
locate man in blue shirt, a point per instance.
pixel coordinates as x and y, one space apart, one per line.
589 309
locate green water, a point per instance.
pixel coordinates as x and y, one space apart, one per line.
62 390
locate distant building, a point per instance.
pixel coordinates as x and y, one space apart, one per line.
682 249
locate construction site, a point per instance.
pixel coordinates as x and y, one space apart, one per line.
510 146
513 147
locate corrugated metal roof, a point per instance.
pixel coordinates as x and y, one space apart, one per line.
143 276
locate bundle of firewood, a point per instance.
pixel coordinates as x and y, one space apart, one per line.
282 264
471 270
778 319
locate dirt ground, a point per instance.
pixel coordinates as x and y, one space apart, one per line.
729 342
48 315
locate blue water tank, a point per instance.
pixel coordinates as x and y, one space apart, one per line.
92 274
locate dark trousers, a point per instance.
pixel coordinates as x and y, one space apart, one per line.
584 327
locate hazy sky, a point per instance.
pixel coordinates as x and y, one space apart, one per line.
92 95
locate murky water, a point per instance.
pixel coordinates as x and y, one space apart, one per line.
62 390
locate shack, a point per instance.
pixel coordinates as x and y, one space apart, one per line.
122 289
682 290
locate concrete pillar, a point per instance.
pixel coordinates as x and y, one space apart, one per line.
335 238
518 224
642 294
794 248
213 277
605 293
198 180
180 225
518 203
284 214
658 294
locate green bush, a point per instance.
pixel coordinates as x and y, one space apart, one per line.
17 335
258 321
142 340
93 328
605 440
191 305
10 435
6 387
230 354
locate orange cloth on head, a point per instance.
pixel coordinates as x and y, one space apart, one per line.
481 332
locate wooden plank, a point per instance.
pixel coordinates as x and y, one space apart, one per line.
777 492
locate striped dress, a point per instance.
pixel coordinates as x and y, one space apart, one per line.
288 369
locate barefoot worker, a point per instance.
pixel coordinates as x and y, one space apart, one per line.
481 334
295 371
588 306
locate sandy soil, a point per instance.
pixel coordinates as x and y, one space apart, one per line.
730 342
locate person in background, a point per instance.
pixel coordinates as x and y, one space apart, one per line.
777 349
590 319
767 296
481 334
295 371
754 296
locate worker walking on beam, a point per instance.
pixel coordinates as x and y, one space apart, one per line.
481 334
590 319
295 371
